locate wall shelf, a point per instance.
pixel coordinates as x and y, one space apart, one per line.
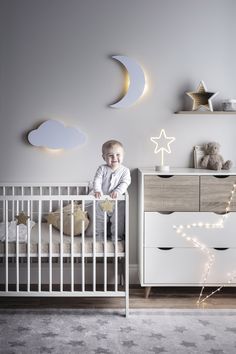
206 112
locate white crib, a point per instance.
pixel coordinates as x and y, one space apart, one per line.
50 263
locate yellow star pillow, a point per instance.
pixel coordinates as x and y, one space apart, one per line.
79 216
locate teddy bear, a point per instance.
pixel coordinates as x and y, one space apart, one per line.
212 159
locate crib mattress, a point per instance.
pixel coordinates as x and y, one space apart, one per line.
56 237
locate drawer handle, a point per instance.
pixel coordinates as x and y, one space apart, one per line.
165 212
221 248
221 212
165 176
221 176
165 248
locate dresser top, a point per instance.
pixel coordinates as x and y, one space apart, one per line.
187 171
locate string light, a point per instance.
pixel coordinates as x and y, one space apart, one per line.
204 248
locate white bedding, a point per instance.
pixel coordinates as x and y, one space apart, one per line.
34 237
12 227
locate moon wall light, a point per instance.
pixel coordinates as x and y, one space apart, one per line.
136 85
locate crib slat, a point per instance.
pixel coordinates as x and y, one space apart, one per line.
72 246
39 242
127 255
94 246
61 245
13 205
28 248
105 251
6 241
116 249
31 207
82 238
4 211
50 246
17 249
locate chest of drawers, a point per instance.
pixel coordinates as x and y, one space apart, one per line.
185 197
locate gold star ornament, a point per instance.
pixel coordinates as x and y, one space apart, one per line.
107 206
202 98
22 218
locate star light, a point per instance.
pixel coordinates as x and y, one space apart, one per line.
162 144
202 98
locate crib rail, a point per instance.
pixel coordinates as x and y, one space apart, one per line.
24 267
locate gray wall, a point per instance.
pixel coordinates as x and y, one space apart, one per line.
56 63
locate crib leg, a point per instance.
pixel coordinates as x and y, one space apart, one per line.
127 303
122 271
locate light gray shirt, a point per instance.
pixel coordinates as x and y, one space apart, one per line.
106 180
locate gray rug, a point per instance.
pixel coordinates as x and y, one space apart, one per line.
108 331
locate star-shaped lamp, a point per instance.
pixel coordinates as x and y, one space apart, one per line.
202 98
162 144
107 206
22 218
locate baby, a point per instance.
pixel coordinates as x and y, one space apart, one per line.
111 179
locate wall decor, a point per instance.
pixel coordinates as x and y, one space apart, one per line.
53 134
229 105
198 154
202 98
162 144
136 82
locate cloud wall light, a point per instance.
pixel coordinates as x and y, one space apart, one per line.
53 134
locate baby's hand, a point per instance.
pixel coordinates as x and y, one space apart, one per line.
98 195
114 195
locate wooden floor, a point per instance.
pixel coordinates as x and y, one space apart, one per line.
174 298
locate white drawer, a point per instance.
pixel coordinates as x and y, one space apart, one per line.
174 266
186 266
225 262
159 231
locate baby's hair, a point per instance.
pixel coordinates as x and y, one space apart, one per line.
110 143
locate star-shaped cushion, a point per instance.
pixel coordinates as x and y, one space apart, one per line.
107 206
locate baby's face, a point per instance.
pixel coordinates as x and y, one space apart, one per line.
114 156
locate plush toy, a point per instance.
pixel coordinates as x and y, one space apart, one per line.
212 159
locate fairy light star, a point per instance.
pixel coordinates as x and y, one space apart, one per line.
180 229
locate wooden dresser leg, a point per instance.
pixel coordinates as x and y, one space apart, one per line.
147 291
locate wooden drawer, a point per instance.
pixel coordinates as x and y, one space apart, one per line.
215 193
171 193
186 266
159 231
